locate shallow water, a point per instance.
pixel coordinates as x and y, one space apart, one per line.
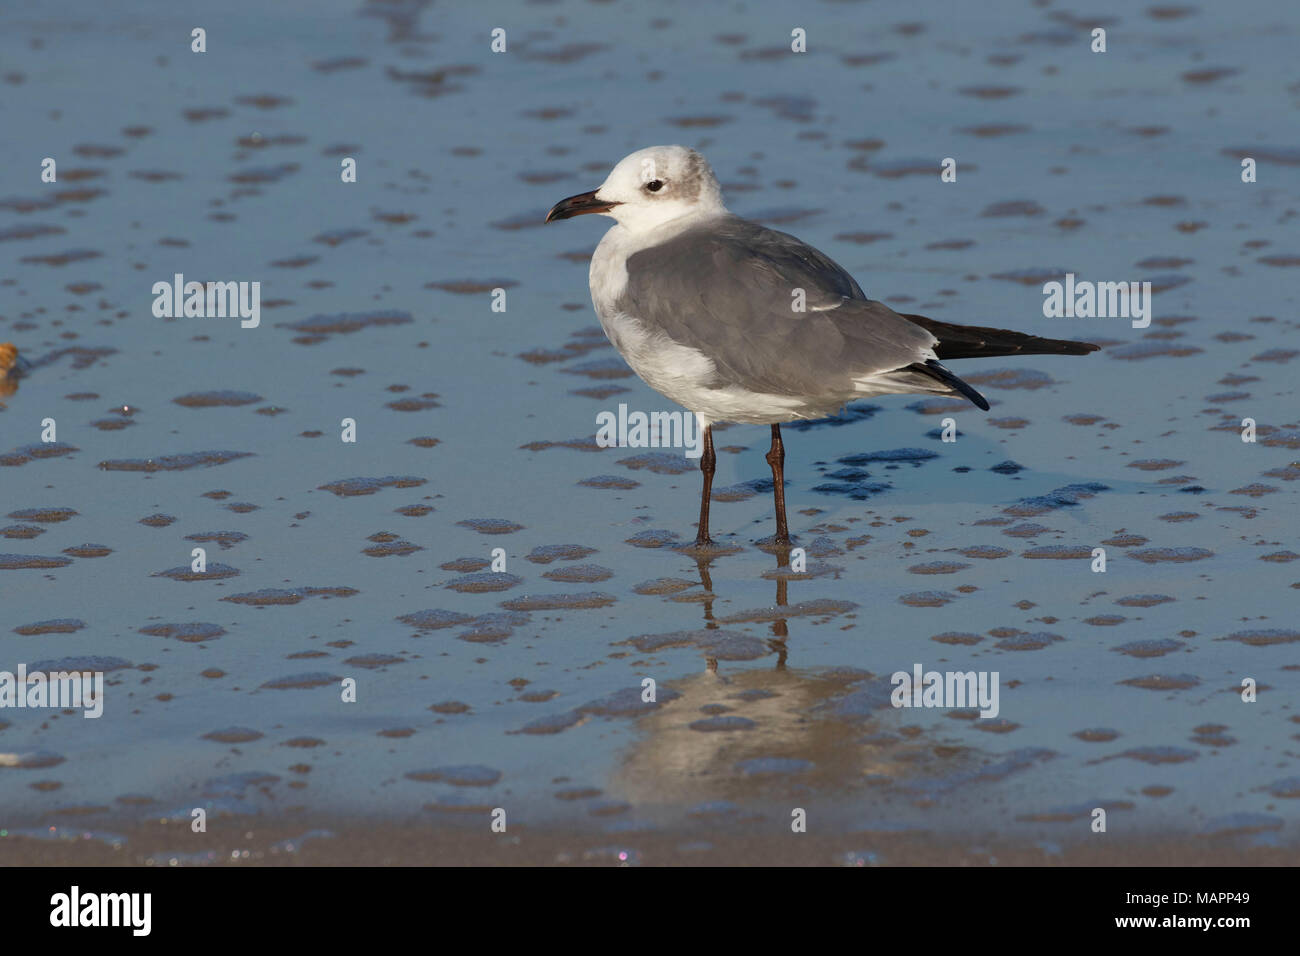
522 690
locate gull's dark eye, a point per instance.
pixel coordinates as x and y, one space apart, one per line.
655 185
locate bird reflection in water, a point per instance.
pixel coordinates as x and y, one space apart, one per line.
759 737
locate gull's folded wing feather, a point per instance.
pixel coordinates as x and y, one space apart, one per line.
730 288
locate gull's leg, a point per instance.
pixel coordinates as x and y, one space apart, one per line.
708 464
776 458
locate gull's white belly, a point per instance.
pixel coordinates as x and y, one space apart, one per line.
683 374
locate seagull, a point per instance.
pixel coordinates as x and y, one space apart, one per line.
740 323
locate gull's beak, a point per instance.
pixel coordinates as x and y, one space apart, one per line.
578 205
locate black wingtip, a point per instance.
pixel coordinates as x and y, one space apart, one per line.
935 370
978 341
1070 347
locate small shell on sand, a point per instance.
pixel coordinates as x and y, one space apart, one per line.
9 359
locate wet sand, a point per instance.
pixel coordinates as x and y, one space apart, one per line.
521 689
350 842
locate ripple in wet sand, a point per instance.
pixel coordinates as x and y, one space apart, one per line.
301 681
184 462
268 597
223 398
1174 555
561 602
190 633
28 453
1149 648
484 582
213 572
579 574
1265 637
27 562
63 625
89 551
1163 682
1155 755
43 515
233 735
467 775
352 487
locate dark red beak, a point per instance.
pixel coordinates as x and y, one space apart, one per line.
579 205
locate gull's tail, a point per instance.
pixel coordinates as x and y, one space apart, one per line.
974 341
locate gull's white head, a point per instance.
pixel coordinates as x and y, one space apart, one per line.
649 188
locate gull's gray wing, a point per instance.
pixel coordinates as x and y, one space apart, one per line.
726 288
